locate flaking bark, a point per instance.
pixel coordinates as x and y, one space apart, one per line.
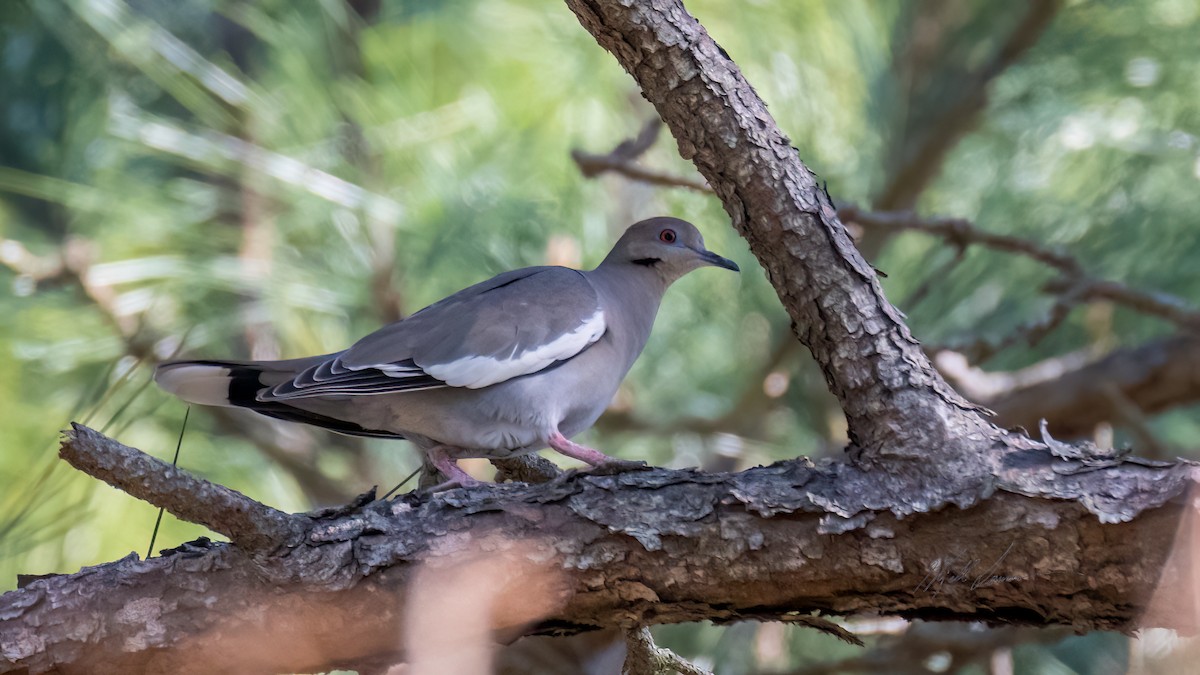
1063 541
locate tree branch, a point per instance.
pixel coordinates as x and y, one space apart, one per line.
255 527
658 546
623 160
1071 393
838 310
960 233
1075 284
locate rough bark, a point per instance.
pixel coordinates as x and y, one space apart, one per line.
253 526
894 400
1062 541
1045 532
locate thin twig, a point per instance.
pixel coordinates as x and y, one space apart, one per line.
623 160
1074 285
960 232
1156 303
593 165
174 462
402 483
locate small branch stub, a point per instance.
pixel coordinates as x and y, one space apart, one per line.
251 525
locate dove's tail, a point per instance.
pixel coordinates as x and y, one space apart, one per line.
237 384
230 384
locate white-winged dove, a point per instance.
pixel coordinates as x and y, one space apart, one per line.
521 362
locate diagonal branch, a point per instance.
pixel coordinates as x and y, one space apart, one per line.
832 294
623 160
646 658
253 526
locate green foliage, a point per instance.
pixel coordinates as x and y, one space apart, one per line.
245 174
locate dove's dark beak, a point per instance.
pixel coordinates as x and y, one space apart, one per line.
715 260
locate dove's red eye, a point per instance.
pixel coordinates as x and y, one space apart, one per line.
667 236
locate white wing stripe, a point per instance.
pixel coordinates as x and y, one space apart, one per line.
396 371
474 372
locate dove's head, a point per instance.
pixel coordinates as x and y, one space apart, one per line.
669 246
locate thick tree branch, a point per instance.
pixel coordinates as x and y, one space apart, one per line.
1078 541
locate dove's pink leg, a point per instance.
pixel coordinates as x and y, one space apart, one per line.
565 446
450 469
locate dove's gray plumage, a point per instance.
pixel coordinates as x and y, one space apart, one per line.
514 364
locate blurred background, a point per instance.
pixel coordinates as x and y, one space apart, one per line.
241 178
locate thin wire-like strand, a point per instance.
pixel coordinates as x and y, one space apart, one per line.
402 483
174 462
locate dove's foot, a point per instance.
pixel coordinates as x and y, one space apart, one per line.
616 466
455 476
602 464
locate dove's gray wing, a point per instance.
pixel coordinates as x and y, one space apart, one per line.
515 324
